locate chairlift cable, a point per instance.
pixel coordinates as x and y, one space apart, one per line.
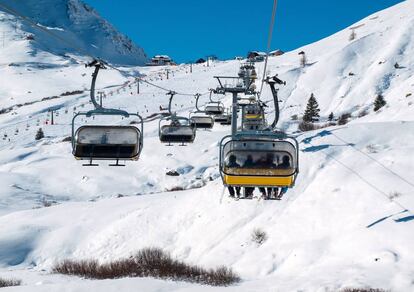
375 160
361 177
269 43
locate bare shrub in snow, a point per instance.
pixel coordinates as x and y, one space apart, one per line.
67 139
46 203
9 282
175 189
362 113
394 195
343 119
305 126
149 262
371 148
362 290
259 236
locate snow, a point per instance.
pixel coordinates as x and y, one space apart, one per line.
347 223
78 24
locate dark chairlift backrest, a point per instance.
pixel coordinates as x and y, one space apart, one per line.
223 119
268 157
214 108
107 143
201 121
178 131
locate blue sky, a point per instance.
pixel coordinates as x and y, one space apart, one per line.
189 29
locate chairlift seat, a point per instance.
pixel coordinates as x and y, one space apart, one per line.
177 134
214 109
223 118
202 122
259 161
107 143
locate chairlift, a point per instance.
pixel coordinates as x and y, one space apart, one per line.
258 158
253 117
199 119
214 107
175 129
223 119
247 71
106 142
178 130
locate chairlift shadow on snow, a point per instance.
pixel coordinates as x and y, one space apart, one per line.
320 134
404 219
323 147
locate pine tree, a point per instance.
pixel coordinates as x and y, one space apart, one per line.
379 102
331 117
39 134
312 110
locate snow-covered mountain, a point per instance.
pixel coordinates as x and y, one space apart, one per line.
77 23
347 223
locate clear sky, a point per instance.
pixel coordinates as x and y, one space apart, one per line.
190 29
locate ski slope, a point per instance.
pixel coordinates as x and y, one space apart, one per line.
347 223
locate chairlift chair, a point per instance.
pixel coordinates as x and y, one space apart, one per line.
199 120
261 158
175 129
253 117
223 119
106 142
265 160
214 108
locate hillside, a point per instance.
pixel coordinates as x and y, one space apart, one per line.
347 222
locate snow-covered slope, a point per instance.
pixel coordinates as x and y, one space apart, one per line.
347 223
77 23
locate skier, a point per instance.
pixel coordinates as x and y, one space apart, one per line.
248 191
268 163
233 163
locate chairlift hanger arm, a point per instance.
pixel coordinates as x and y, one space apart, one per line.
211 93
272 81
171 94
197 97
98 64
